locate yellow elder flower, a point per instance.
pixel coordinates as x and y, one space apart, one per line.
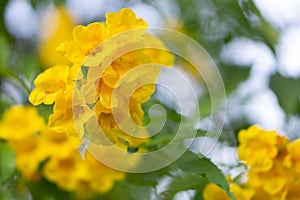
66 110
123 20
17 123
294 192
85 39
275 185
67 172
49 84
214 192
102 177
258 148
160 54
241 193
29 154
277 181
293 158
71 172
58 144
63 164
52 32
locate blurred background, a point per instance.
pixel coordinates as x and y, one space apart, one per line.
255 45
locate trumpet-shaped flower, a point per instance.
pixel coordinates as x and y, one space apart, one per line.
67 172
85 39
49 84
102 177
123 20
258 148
16 123
29 154
214 192
293 158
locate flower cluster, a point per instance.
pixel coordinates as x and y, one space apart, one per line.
43 152
96 83
274 164
101 77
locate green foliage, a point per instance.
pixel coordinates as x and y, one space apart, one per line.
233 76
4 51
190 162
185 181
44 190
222 21
189 172
2 24
126 190
288 93
36 3
7 162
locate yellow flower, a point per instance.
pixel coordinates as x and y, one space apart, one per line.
294 192
29 154
67 172
85 39
62 163
52 32
66 110
72 172
159 53
117 136
241 193
293 158
123 20
258 148
276 182
49 84
17 123
275 185
213 192
102 177
58 144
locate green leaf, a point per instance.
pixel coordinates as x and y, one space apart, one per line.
287 91
4 51
36 3
264 31
2 24
162 139
8 73
45 110
233 76
124 190
4 195
183 182
205 107
30 67
7 162
150 179
44 190
5 102
172 115
190 162
144 179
